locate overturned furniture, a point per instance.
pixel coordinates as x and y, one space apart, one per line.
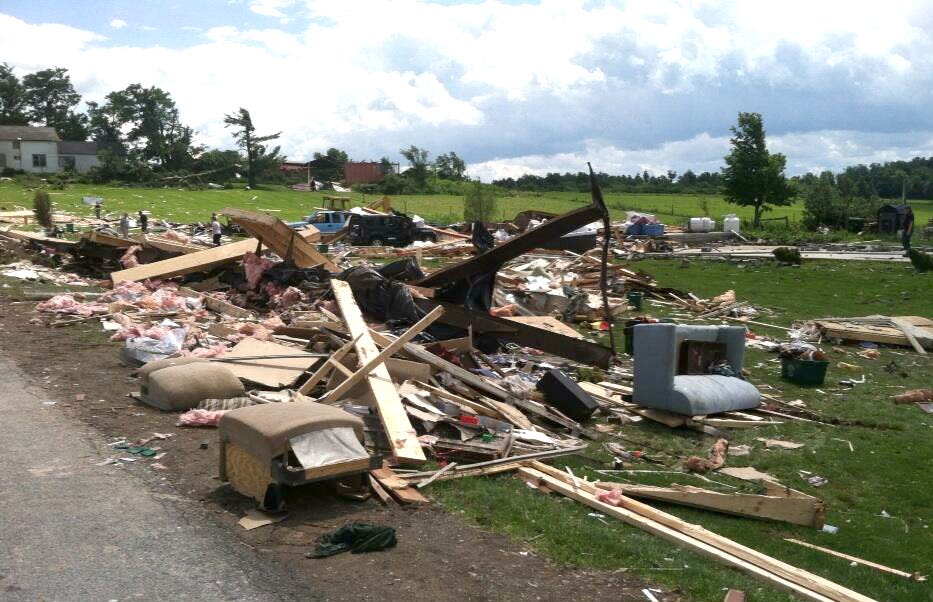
672 369
267 446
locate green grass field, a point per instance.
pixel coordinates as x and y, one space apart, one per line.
189 206
887 471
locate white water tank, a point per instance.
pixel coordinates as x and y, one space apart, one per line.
731 223
702 224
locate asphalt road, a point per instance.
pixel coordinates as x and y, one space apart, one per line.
73 530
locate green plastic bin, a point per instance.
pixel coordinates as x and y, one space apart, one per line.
806 373
635 299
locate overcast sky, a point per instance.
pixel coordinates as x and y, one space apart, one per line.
513 87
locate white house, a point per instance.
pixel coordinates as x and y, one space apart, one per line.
39 150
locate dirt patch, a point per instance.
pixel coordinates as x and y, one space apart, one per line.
438 557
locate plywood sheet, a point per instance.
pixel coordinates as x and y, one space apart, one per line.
272 372
281 238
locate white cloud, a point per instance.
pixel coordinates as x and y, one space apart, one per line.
806 152
147 28
632 85
118 23
271 8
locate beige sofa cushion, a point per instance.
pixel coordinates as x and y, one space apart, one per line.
265 429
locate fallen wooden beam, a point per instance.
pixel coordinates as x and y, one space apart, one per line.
868 563
394 418
802 584
201 261
807 511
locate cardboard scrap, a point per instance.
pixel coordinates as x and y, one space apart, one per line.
256 518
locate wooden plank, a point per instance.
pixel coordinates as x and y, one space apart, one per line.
201 261
868 563
908 329
380 491
380 358
272 372
326 369
404 439
694 537
278 236
398 487
548 323
807 511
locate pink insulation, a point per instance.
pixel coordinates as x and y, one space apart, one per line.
255 267
66 304
173 235
198 417
129 259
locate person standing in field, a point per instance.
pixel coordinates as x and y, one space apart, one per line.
908 230
215 230
143 221
125 225
97 209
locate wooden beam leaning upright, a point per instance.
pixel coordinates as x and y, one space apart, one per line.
405 445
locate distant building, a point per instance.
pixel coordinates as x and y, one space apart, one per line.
362 172
39 150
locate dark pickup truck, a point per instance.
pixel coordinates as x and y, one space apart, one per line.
392 229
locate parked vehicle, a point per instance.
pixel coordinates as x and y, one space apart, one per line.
327 222
392 229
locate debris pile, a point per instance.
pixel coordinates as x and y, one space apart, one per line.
315 366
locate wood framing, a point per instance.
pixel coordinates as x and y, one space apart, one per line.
282 239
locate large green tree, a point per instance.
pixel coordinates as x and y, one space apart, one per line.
12 107
50 100
150 120
257 158
418 165
752 176
330 164
450 167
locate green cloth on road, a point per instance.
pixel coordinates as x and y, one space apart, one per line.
355 537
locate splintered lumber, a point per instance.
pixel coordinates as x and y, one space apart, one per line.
380 358
324 371
802 584
392 414
201 261
807 511
874 565
477 382
398 487
282 239
380 491
491 467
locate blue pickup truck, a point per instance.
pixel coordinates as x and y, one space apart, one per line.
327 222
